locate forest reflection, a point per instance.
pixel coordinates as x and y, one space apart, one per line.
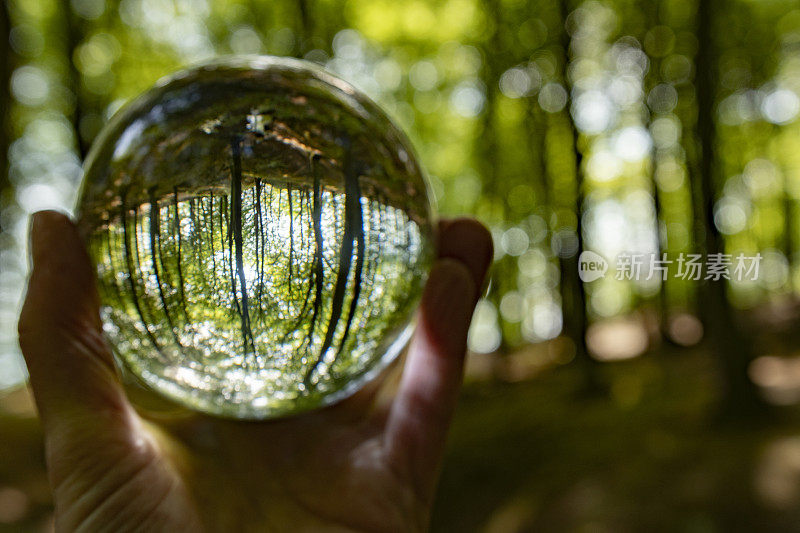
267 292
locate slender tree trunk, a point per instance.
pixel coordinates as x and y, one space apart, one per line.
74 36
489 154
7 61
652 79
238 248
353 233
572 290
318 249
178 243
789 213
789 223
731 348
158 271
306 27
130 268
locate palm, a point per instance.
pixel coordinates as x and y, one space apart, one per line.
329 468
360 465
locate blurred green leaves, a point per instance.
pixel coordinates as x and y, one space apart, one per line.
478 85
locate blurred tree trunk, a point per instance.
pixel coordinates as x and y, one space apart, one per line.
7 59
789 221
733 351
489 153
305 28
573 294
789 210
651 80
74 36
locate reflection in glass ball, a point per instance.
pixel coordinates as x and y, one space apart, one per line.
262 234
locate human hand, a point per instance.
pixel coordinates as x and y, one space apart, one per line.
361 465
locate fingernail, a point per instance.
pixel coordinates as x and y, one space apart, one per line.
448 303
468 241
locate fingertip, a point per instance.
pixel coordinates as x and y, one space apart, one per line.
468 241
56 247
45 223
61 284
53 237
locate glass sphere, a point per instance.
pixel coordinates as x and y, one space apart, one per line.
262 233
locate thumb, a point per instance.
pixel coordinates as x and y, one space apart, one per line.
70 365
103 467
417 425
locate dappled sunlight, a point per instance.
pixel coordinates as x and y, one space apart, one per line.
778 377
624 97
538 458
651 134
685 329
14 505
514 515
617 339
521 365
777 476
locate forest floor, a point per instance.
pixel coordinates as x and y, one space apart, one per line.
645 456
539 455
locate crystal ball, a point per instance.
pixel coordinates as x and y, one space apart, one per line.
261 232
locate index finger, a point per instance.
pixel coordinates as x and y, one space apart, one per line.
420 415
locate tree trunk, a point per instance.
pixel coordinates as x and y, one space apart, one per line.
573 293
6 65
496 186
732 349
74 33
652 79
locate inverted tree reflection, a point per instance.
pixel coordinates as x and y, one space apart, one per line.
297 292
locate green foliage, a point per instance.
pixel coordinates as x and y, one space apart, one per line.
498 100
